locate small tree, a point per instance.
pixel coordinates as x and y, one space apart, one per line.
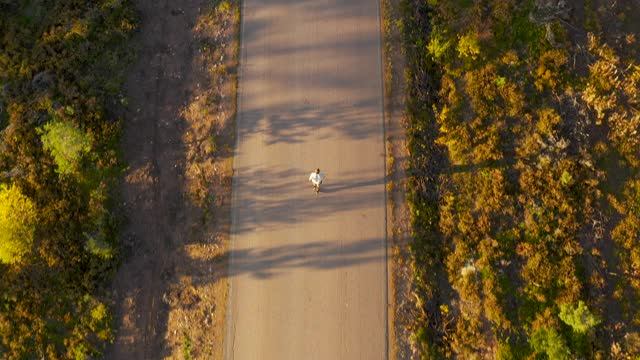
550 342
17 224
578 317
66 143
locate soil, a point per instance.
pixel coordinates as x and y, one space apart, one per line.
170 292
401 313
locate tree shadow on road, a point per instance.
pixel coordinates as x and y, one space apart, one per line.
279 198
267 263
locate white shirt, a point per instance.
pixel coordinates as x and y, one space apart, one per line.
316 178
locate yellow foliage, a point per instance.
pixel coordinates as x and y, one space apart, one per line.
469 46
548 119
78 28
549 68
17 224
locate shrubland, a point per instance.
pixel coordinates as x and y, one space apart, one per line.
524 149
61 70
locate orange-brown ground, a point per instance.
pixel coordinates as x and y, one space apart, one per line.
171 290
398 227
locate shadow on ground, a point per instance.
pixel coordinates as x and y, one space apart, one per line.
161 215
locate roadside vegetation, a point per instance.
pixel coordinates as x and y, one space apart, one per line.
197 298
61 70
523 127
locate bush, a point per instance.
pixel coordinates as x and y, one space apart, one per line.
18 219
100 322
578 317
61 66
469 46
439 44
550 342
224 7
66 143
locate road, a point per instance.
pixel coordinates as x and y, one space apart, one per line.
308 273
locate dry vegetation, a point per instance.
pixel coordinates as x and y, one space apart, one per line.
398 228
171 291
64 226
197 302
524 160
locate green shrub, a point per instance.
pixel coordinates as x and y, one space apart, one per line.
98 246
66 143
63 59
80 351
508 350
439 43
187 348
578 317
550 342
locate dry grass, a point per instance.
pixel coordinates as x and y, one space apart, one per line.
197 300
398 233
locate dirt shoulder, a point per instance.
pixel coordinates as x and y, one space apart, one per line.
398 217
171 290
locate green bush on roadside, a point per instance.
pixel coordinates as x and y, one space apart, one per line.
62 65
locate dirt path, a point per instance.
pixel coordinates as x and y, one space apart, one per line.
170 291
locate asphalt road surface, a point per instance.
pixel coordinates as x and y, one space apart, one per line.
308 273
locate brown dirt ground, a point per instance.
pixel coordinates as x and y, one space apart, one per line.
170 292
398 219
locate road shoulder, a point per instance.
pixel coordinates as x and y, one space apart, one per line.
171 290
398 217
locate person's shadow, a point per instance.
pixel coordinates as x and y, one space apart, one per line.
330 187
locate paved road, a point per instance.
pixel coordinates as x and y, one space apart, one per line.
308 274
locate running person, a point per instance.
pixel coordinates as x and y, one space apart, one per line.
316 178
